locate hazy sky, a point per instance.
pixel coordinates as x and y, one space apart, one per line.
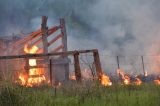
115 27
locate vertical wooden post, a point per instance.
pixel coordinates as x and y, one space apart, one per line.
27 65
118 62
143 65
44 29
50 69
97 64
77 66
118 66
64 42
64 37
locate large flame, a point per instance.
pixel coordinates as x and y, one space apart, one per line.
35 76
105 81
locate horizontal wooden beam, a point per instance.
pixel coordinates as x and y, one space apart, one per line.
47 54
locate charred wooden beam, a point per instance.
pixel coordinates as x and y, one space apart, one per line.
26 67
64 37
50 72
97 64
53 29
44 29
46 54
77 66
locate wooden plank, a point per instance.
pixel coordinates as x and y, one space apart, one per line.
46 54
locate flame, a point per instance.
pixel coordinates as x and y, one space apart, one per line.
157 81
138 81
125 77
105 80
35 75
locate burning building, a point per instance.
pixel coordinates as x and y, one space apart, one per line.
41 61
34 70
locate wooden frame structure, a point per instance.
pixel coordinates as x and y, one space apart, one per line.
75 54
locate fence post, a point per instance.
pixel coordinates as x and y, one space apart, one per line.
50 69
77 66
97 64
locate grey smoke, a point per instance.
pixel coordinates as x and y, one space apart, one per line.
115 27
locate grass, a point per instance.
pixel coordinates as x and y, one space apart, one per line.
86 94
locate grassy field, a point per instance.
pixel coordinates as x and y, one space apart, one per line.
86 94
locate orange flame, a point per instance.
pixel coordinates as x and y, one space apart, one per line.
35 75
138 81
105 81
125 77
157 81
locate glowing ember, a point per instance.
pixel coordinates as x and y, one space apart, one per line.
35 75
125 77
105 80
138 81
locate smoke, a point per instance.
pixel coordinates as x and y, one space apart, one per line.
125 27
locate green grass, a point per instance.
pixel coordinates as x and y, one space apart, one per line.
73 94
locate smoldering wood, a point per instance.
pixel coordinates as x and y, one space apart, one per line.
97 64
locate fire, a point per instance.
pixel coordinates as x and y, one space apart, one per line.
138 81
125 77
35 76
105 80
157 81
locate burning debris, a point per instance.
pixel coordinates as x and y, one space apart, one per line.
124 77
35 76
157 80
105 81
127 80
138 81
